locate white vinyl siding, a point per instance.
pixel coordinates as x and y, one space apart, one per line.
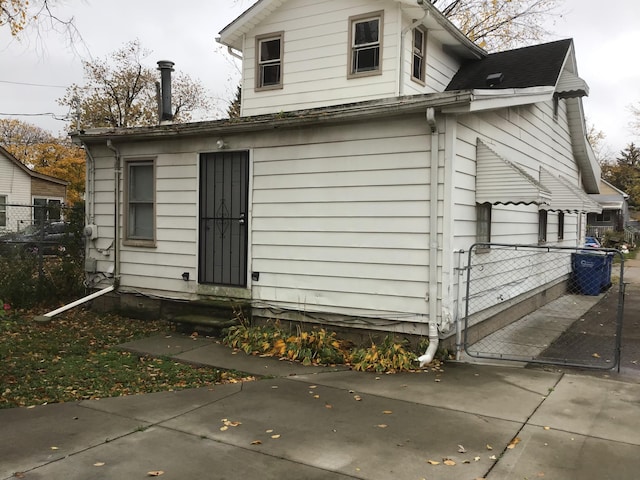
340 224
15 186
316 57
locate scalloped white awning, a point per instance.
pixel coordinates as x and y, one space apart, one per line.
499 181
565 196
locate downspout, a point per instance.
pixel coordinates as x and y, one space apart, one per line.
433 244
116 211
403 33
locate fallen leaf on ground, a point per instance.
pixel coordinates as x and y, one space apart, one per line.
596 355
387 412
256 442
276 436
461 449
476 459
269 431
155 473
55 448
433 462
98 464
513 443
223 428
492 457
357 398
489 447
547 428
328 405
448 462
316 396
382 425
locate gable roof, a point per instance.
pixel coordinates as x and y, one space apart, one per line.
533 66
5 153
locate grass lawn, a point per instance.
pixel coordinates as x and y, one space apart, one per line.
74 358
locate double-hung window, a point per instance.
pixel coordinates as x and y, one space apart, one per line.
365 54
418 59
140 202
269 55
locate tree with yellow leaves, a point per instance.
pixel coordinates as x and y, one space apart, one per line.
18 14
44 153
120 91
497 25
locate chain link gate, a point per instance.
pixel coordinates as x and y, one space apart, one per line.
551 305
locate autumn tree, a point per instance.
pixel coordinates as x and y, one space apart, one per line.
497 25
18 14
120 91
624 173
44 153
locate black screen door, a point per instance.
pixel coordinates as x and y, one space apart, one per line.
224 179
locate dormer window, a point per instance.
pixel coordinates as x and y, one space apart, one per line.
366 45
419 44
269 61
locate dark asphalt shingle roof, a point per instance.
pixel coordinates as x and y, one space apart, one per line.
538 65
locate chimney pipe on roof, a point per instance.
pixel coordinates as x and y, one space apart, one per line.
165 67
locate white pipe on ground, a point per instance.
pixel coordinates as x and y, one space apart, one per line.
428 356
82 300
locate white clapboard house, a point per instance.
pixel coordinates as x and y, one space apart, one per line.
375 143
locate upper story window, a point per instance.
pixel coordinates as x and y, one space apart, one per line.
419 49
269 55
140 200
365 53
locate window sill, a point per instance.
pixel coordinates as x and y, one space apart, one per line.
139 243
368 73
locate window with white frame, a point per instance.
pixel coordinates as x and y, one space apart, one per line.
365 53
542 226
140 202
3 211
419 44
483 223
269 55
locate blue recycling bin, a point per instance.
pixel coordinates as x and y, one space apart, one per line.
590 271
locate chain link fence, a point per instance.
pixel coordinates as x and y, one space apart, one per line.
549 305
41 254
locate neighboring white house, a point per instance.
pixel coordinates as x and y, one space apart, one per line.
375 143
20 188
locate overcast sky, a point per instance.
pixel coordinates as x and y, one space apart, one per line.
606 36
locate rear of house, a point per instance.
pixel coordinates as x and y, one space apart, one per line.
375 147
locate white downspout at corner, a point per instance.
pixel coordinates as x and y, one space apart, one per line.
434 339
116 211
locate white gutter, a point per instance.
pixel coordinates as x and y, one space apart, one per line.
433 244
47 316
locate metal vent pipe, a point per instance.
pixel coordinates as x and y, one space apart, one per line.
165 67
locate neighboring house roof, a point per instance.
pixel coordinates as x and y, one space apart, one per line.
5 153
614 199
534 66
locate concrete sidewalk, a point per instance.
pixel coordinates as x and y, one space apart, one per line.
485 421
323 423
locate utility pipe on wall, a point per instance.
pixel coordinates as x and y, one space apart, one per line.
116 210
433 243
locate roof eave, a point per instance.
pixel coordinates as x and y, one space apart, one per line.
336 114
